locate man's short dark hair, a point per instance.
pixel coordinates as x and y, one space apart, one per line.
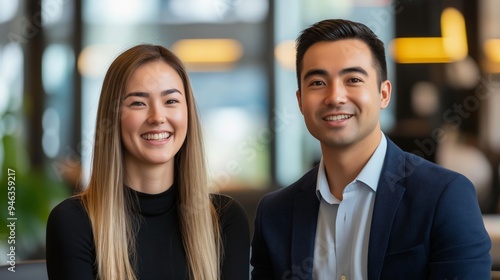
339 29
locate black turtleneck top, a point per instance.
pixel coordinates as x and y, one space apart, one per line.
70 250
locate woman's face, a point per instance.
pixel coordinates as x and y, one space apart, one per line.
154 115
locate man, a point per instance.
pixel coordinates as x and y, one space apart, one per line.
369 210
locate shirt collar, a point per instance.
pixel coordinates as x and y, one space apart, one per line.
322 188
369 175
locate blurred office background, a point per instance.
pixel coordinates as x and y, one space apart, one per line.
443 57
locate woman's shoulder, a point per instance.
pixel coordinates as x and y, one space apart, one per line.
69 212
69 241
223 203
70 204
228 209
219 200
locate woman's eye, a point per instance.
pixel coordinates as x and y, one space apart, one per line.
137 103
171 101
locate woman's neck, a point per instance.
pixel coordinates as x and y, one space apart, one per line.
151 179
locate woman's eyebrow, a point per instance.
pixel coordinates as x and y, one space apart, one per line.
138 94
146 95
170 91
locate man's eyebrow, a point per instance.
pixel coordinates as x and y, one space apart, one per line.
355 69
345 71
314 72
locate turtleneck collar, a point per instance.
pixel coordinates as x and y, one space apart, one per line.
156 204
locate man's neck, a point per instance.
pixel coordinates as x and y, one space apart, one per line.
343 164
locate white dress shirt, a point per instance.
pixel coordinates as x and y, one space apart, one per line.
343 229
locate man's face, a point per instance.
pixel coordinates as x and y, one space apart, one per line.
340 97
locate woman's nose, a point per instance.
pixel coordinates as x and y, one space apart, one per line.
156 116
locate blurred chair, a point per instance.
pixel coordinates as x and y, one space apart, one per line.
25 270
469 160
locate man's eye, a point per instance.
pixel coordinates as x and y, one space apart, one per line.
317 83
354 80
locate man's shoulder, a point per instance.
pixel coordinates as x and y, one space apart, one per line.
402 164
418 166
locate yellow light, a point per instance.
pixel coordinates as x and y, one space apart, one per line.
208 53
419 50
492 50
454 34
285 54
451 47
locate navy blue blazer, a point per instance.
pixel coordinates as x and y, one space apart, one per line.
426 224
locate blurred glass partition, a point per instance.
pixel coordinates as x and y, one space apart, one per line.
223 46
296 150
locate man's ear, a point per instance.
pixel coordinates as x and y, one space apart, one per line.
385 94
299 99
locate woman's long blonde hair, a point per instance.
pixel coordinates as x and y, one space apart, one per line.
105 198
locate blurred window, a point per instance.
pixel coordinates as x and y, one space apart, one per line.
296 150
232 95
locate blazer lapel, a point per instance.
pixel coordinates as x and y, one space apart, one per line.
390 191
305 213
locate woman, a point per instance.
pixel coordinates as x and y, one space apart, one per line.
147 213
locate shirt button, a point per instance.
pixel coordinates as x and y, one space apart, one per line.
343 277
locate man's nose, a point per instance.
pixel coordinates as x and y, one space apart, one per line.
336 94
